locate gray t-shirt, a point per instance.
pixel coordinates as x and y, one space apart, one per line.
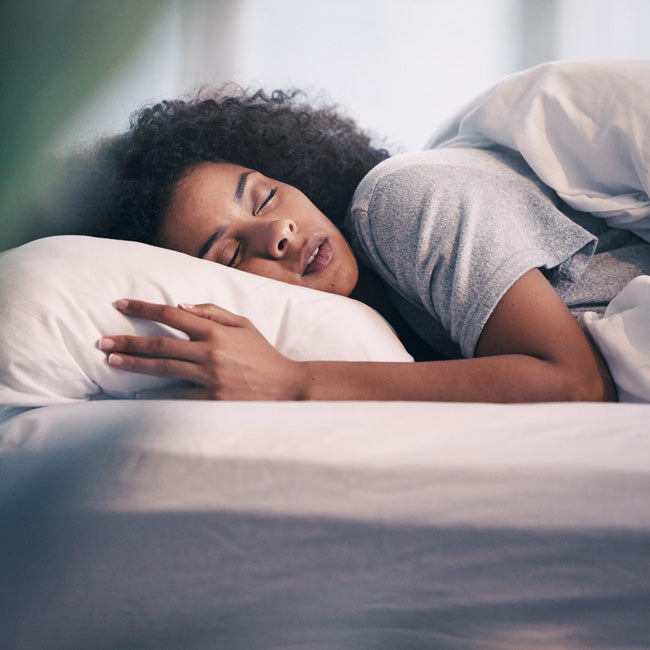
450 231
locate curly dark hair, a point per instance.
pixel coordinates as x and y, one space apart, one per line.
315 149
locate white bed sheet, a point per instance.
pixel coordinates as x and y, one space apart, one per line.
326 525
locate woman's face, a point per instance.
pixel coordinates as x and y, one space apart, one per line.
237 217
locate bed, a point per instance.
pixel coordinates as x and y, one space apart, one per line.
130 523
145 524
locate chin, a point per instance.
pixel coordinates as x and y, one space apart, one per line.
345 288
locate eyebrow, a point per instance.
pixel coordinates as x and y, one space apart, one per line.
241 186
239 193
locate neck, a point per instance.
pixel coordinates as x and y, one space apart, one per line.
371 290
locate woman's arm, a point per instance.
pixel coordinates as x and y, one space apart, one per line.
531 350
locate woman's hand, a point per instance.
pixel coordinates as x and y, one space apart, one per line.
226 357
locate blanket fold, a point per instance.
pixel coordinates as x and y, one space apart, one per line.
583 127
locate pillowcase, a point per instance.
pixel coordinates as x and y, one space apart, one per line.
57 298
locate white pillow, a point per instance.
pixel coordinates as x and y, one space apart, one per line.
57 299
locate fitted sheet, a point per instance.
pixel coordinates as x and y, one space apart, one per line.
326 525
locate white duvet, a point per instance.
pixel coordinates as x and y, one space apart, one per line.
623 336
583 127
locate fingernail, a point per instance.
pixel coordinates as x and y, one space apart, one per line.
121 304
115 360
185 305
106 343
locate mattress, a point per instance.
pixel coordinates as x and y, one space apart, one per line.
142 524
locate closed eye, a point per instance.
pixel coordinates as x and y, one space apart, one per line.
272 193
235 257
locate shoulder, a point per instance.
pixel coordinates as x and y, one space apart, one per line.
415 191
452 172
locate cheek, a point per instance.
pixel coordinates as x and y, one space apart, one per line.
351 272
345 277
350 280
272 270
266 269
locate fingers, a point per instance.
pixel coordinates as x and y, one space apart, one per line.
153 346
214 313
177 318
190 319
204 360
168 368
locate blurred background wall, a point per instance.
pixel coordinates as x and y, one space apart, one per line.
75 69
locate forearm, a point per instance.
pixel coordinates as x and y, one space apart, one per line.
502 378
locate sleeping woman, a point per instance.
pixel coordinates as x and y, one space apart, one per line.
479 266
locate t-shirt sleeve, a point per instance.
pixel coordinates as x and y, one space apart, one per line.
452 230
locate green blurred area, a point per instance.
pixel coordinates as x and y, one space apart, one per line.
53 55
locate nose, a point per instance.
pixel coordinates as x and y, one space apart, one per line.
274 238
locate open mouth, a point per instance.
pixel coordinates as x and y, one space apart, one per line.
319 255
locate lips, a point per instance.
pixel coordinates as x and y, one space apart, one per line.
317 255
